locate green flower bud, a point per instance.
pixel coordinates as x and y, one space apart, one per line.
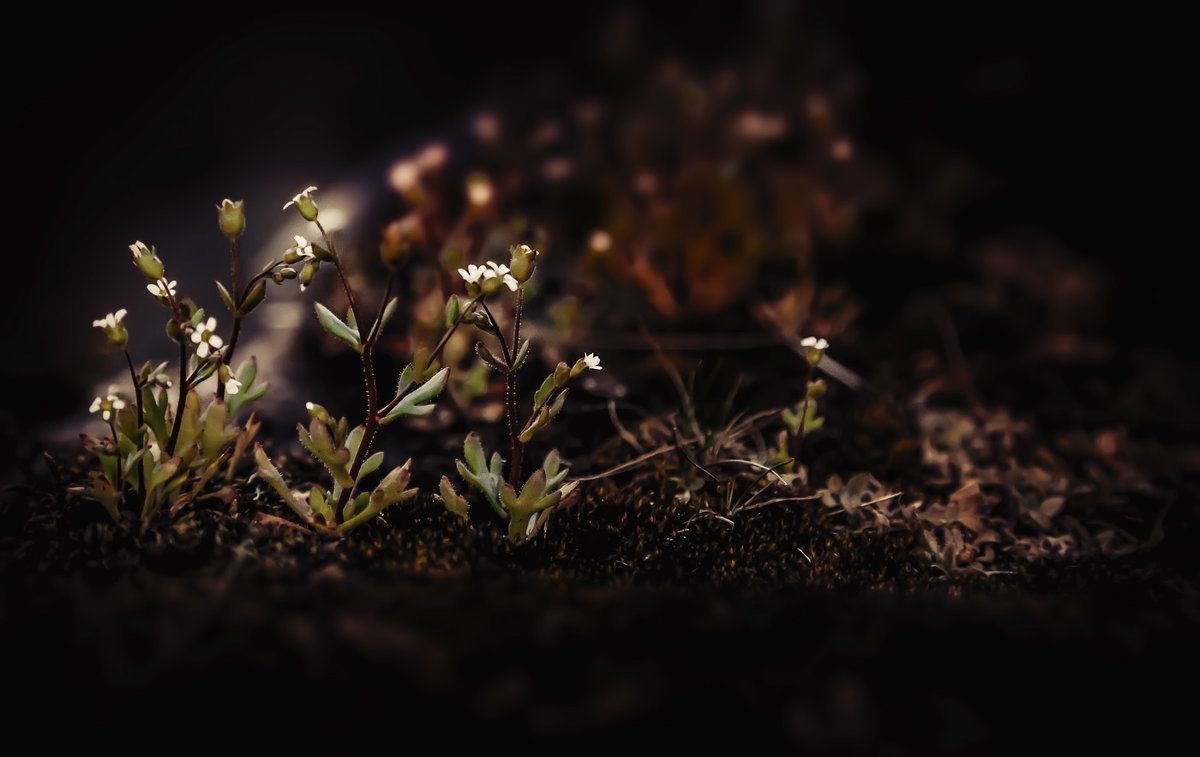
562 374
318 412
254 298
287 273
523 259
307 273
147 260
175 330
230 218
304 203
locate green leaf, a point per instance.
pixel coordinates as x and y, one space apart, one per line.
370 465
412 404
335 327
225 296
486 356
544 390
522 353
389 310
256 296
269 473
320 444
453 501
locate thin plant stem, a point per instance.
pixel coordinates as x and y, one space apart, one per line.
137 393
516 446
183 389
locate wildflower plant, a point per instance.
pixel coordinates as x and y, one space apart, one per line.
161 452
525 510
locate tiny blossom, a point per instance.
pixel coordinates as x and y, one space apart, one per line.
162 289
300 197
592 361
205 339
472 273
814 343
303 247
107 406
233 386
501 271
110 321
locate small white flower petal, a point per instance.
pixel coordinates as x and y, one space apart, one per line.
95 405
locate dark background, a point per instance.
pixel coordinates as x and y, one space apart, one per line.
129 126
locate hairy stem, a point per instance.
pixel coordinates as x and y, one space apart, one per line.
183 388
517 447
237 318
141 419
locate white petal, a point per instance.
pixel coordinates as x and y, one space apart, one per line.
95 405
215 342
202 350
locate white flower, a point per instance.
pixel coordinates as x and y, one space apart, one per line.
592 361
304 203
233 386
205 340
162 289
472 273
139 249
501 271
299 198
814 343
108 405
110 321
303 247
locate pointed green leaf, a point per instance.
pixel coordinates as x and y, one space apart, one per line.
522 353
370 465
256 296
225 296
389 310
412 403
486 356
337 328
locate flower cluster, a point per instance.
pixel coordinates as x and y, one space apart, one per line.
487 279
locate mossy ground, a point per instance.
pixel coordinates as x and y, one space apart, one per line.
633 617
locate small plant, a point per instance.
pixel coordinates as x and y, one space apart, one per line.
159 453
541 491
346 453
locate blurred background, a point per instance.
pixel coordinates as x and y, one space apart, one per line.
127 126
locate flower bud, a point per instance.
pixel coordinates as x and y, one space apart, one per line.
304 203
175 330
523 259
230 218
307 273
254 298
147 260
318 412
562 374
